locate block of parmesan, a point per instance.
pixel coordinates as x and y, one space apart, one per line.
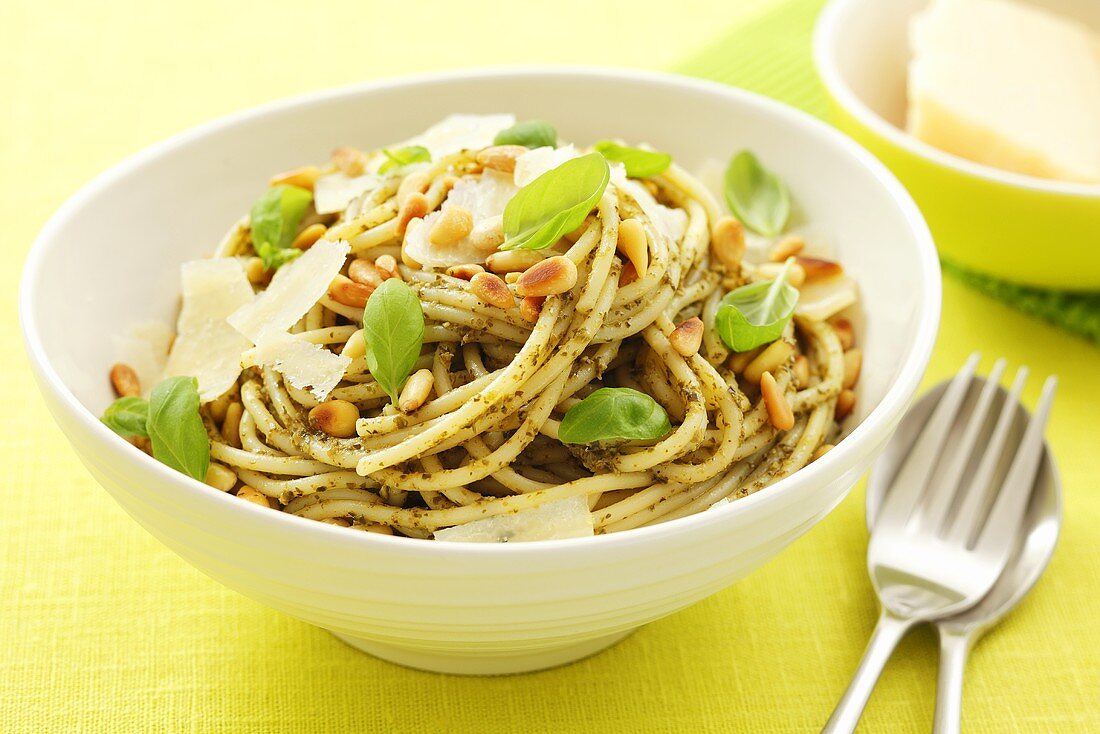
1009 85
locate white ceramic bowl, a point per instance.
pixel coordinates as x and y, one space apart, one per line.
110 257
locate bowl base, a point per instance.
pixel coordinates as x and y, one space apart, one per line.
483 663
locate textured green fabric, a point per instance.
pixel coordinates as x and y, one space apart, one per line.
771 54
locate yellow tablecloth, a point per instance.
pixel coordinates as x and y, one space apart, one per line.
102 629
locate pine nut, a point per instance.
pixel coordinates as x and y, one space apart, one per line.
774 356
549 277
386 265
454 223
231 426
779 410
512 261
727 242
492 290
303 177
845 402
253 495
738 361
349 161
816 268
416 391
845 332
651 186
634 245
801 371
511 278
687 337
354 347
465 272
309 236
789 246
501 157
530 308
342 522
821 451
334 417
362 270
142 443
220 477
219 405
125 380
796 276
488 234
349 293
256 272
853 362
627 275
414 183
408 259
415 206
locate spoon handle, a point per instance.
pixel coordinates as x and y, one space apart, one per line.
954 647
888 632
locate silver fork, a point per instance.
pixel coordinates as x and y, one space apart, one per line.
950 520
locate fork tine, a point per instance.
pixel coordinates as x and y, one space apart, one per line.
912 477
1008 509
946 482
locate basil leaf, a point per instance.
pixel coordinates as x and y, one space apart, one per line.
756 314
405 157
127 416
639 163
529 134
756 196
393 328
274 221
614 413
554 203
178 434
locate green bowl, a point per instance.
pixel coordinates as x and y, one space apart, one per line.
1019 228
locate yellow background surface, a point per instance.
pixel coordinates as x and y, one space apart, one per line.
102 629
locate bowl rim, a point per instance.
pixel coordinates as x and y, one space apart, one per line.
830 467
829 26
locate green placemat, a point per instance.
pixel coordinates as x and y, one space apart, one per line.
771 54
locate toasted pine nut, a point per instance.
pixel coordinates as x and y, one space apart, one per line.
627 275
256 272
362 270
512 261
488 234
219 405
634 245
530 308
845 402
727 242
789 246
349 161
579 231
342 522
549 277
231 426
738 361
416 391
779 410
415 183
454 223
501 157
348 292
125 380
335 417
255 496
821 451
465 272
309 236
687 337
354 347
511 278
796 276
142 443
386 265
492 290
853 362
816 268
406 257
801 371
415 205
774 356
303 177
844 332
220 477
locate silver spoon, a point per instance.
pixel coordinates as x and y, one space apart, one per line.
1042 521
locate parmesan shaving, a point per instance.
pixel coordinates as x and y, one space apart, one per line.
332 193
460 132
305 365
567 518
538 161
145 349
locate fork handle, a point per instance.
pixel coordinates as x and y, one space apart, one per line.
954 648
888 632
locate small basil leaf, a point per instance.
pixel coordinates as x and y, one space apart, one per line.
756 196
127 416
756 314
274 221
393 329
554 203
639 163
529 134
405 157
178 434
614 414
